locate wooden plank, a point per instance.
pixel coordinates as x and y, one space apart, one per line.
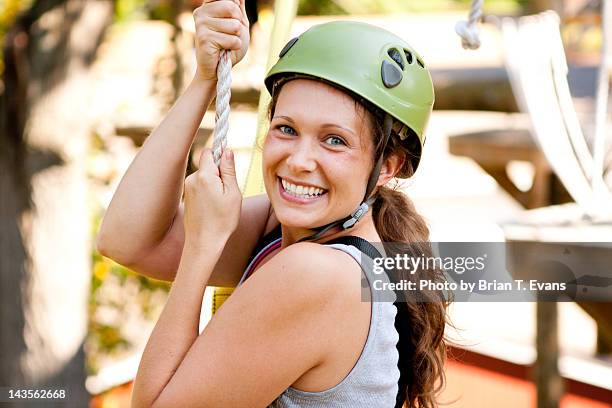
560 223
498 146
139 134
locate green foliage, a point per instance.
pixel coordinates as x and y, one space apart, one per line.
162 11
9 10
319 7
122 306
126 10
339 7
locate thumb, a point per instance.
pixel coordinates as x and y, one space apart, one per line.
227 169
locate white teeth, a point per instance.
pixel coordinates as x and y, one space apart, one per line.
301 191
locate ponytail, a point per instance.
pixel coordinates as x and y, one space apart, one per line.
419 323
396 219
421 316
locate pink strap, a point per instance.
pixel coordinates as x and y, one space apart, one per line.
260 257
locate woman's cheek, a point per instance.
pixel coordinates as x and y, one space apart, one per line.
349 177
271 150
340 170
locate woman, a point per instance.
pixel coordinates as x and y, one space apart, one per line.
296 333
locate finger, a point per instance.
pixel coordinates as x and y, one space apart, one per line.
223 9
229 26
228 170
245 20
224 41
207 163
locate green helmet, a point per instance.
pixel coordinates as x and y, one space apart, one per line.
370 62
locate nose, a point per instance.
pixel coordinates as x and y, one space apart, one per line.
302 157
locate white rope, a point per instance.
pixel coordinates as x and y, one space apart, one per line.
222 106
560 70
468 30
541 89
601 104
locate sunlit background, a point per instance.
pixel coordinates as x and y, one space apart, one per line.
85 82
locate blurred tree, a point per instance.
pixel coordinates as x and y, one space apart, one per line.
44 234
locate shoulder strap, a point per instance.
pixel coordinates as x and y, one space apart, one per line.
359 243
265 240
403 328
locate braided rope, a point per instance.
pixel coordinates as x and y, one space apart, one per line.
468 30
222 106
601 104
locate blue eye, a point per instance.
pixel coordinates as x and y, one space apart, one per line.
286 129
335 141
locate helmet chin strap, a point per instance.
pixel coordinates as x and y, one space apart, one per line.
349 221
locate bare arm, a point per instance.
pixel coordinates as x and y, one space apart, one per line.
162 261
146 201
143 226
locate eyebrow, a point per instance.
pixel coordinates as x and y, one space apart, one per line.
288 119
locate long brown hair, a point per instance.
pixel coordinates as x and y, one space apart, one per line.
420 323
420 319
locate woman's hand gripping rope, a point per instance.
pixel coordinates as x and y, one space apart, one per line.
212 200
220 25
222 39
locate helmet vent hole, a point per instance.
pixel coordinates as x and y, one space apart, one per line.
420 63
287 47
408 56
396 56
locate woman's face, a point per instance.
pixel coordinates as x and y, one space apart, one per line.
317 156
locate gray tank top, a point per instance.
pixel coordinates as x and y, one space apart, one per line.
372 382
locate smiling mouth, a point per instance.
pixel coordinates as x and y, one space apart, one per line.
303 192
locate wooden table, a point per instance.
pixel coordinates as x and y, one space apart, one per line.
494 149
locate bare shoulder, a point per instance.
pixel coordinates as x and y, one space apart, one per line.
312 272
315 293
321 261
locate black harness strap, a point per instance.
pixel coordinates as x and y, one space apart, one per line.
400 325
359 243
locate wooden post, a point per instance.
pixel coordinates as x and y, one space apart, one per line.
548 381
